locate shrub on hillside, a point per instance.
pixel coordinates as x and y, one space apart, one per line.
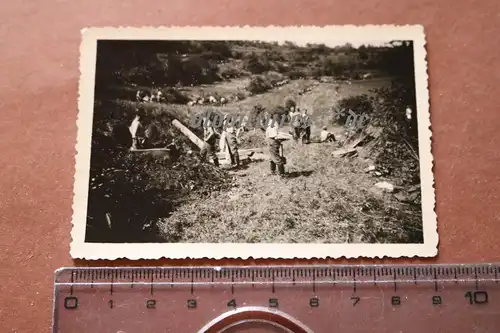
230 73
257 64
360 105
259 84
295 74
174 96
273 77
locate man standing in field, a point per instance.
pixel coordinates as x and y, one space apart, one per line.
275 144
231 141
291 107
137 131
210 140
306 127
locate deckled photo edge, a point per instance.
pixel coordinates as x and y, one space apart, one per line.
429 216
88 55
80 249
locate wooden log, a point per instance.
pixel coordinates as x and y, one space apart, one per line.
191 136
254 157
152 151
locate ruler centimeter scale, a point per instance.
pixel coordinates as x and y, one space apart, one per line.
298 299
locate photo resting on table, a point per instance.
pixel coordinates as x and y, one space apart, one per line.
238 142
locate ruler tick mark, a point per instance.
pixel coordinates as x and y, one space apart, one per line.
475 277
435 281
111 285
232 285
273 281
192 283
72 281
395 284
151 291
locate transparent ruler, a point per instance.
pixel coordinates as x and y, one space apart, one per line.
320 299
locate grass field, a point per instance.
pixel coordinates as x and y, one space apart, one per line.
325 199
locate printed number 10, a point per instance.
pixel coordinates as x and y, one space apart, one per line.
477 297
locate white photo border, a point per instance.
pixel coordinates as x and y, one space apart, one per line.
310 34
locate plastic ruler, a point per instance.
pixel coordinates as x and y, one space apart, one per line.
299 299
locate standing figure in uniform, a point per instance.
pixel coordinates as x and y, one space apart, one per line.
210 140
231 141
294 116
137 131
306 127
275 144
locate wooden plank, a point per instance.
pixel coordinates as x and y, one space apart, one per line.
150 150
254 157
191 136
241 152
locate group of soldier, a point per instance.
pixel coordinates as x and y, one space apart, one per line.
300 131
225 134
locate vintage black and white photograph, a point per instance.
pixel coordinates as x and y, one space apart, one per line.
254 142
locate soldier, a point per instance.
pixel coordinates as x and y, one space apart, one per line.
231 141
275 144
326 136
306 127
210 140
137 131
294 119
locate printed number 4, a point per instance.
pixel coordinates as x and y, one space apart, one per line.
231 303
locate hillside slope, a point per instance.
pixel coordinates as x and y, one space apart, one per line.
325 199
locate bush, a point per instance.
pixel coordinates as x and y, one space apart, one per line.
257 64
273 77
295 74
259 84
174 96
360 105
230 73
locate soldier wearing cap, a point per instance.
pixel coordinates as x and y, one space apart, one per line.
275 144
210 139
